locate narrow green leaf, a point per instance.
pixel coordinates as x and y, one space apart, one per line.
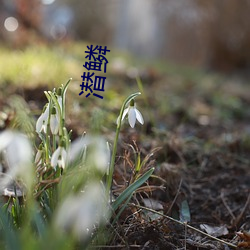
122 209
138 163
129 190
10 236
65 87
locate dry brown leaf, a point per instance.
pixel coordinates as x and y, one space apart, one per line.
245 236
152 204
214 230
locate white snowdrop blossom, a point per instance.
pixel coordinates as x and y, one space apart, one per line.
54 121
98 152
17 152
79 214
133 114
59 157
42 121
99 155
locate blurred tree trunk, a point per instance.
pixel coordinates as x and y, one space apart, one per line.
229 35
29 17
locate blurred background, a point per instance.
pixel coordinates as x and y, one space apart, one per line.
211 34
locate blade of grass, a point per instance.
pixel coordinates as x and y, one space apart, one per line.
122 209
128 191
11 239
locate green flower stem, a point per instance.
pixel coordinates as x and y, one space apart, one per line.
112 163
63 101
66 136
54 142
47 137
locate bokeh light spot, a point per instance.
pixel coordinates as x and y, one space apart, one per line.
47 2
58 31
11 24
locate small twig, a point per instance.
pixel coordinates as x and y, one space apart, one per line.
185 242
57 180
117 233
148 188
183 224
116 246
227 207
239 217
173 202
48 185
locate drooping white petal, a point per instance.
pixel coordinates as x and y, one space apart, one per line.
125 112
19 151
38 156
123 115
64 154
18 156
132 117
62 161
59 157
77 148
5 139
55 156
78 214
54 124
139 116
101 154
44 127
98 152
39 123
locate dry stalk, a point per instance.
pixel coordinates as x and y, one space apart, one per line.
183 224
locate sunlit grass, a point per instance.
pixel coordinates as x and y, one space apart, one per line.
37 65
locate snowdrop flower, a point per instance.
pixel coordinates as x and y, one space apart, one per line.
17 152
54 121
59 157
98 152
79 214
42 122
133 114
